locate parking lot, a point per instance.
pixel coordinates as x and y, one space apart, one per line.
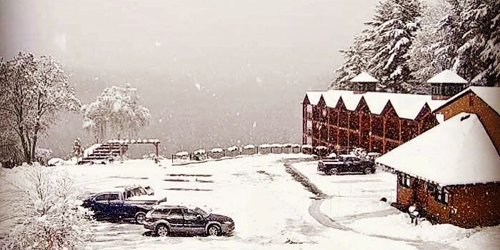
271 209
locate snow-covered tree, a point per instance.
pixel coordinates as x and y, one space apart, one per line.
356 61
118 110
47 213
394 26
468 40
424 60
34 92
382 49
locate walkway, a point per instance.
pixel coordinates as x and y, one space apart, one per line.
323 219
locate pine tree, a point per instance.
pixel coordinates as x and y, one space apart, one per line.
424 62
394 27
357 57
383 48
470 40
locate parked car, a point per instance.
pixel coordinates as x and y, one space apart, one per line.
346 164
166 219
123 203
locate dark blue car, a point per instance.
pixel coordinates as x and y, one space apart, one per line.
121 203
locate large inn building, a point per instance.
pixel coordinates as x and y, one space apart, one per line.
444 147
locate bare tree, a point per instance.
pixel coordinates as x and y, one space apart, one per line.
34 92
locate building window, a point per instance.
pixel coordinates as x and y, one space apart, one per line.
442 195
309 109
404 180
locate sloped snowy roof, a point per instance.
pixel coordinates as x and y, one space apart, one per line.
314 97
447 76
490 95
456 152
332 96
406 105
364 77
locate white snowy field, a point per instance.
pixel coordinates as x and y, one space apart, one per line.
271 210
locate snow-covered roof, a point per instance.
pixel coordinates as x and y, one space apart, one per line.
314 97
456 152
331 97
364 77
490 95
199 152
233 148
182 153
216 150
447 76
406 105
249 146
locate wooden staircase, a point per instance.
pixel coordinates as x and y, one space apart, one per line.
103 153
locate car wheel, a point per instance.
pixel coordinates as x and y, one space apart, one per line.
140 217
368 170
332 171
162 230
214 230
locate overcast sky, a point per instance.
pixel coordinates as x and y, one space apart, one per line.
212 72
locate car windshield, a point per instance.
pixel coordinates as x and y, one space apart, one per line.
201 211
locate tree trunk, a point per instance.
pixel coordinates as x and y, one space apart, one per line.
28 141
27 157
35 138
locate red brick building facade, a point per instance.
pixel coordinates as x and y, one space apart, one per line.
377 122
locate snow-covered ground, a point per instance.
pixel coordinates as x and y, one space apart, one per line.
355 203
270 208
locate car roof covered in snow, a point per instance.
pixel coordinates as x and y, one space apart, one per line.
456 152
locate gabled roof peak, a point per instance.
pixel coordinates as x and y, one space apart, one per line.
364 77
447 76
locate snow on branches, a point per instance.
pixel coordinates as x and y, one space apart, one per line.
118 110
382 48
46 212
34 91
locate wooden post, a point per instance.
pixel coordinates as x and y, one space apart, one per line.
400 139
370 134
348 129
360 128
156 149
384 120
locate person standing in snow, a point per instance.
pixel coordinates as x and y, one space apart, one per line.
413 212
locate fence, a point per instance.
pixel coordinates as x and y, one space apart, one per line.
234 151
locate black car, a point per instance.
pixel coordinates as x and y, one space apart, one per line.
346 164
164 220
122 203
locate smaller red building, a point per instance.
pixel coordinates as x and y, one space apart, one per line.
451 172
